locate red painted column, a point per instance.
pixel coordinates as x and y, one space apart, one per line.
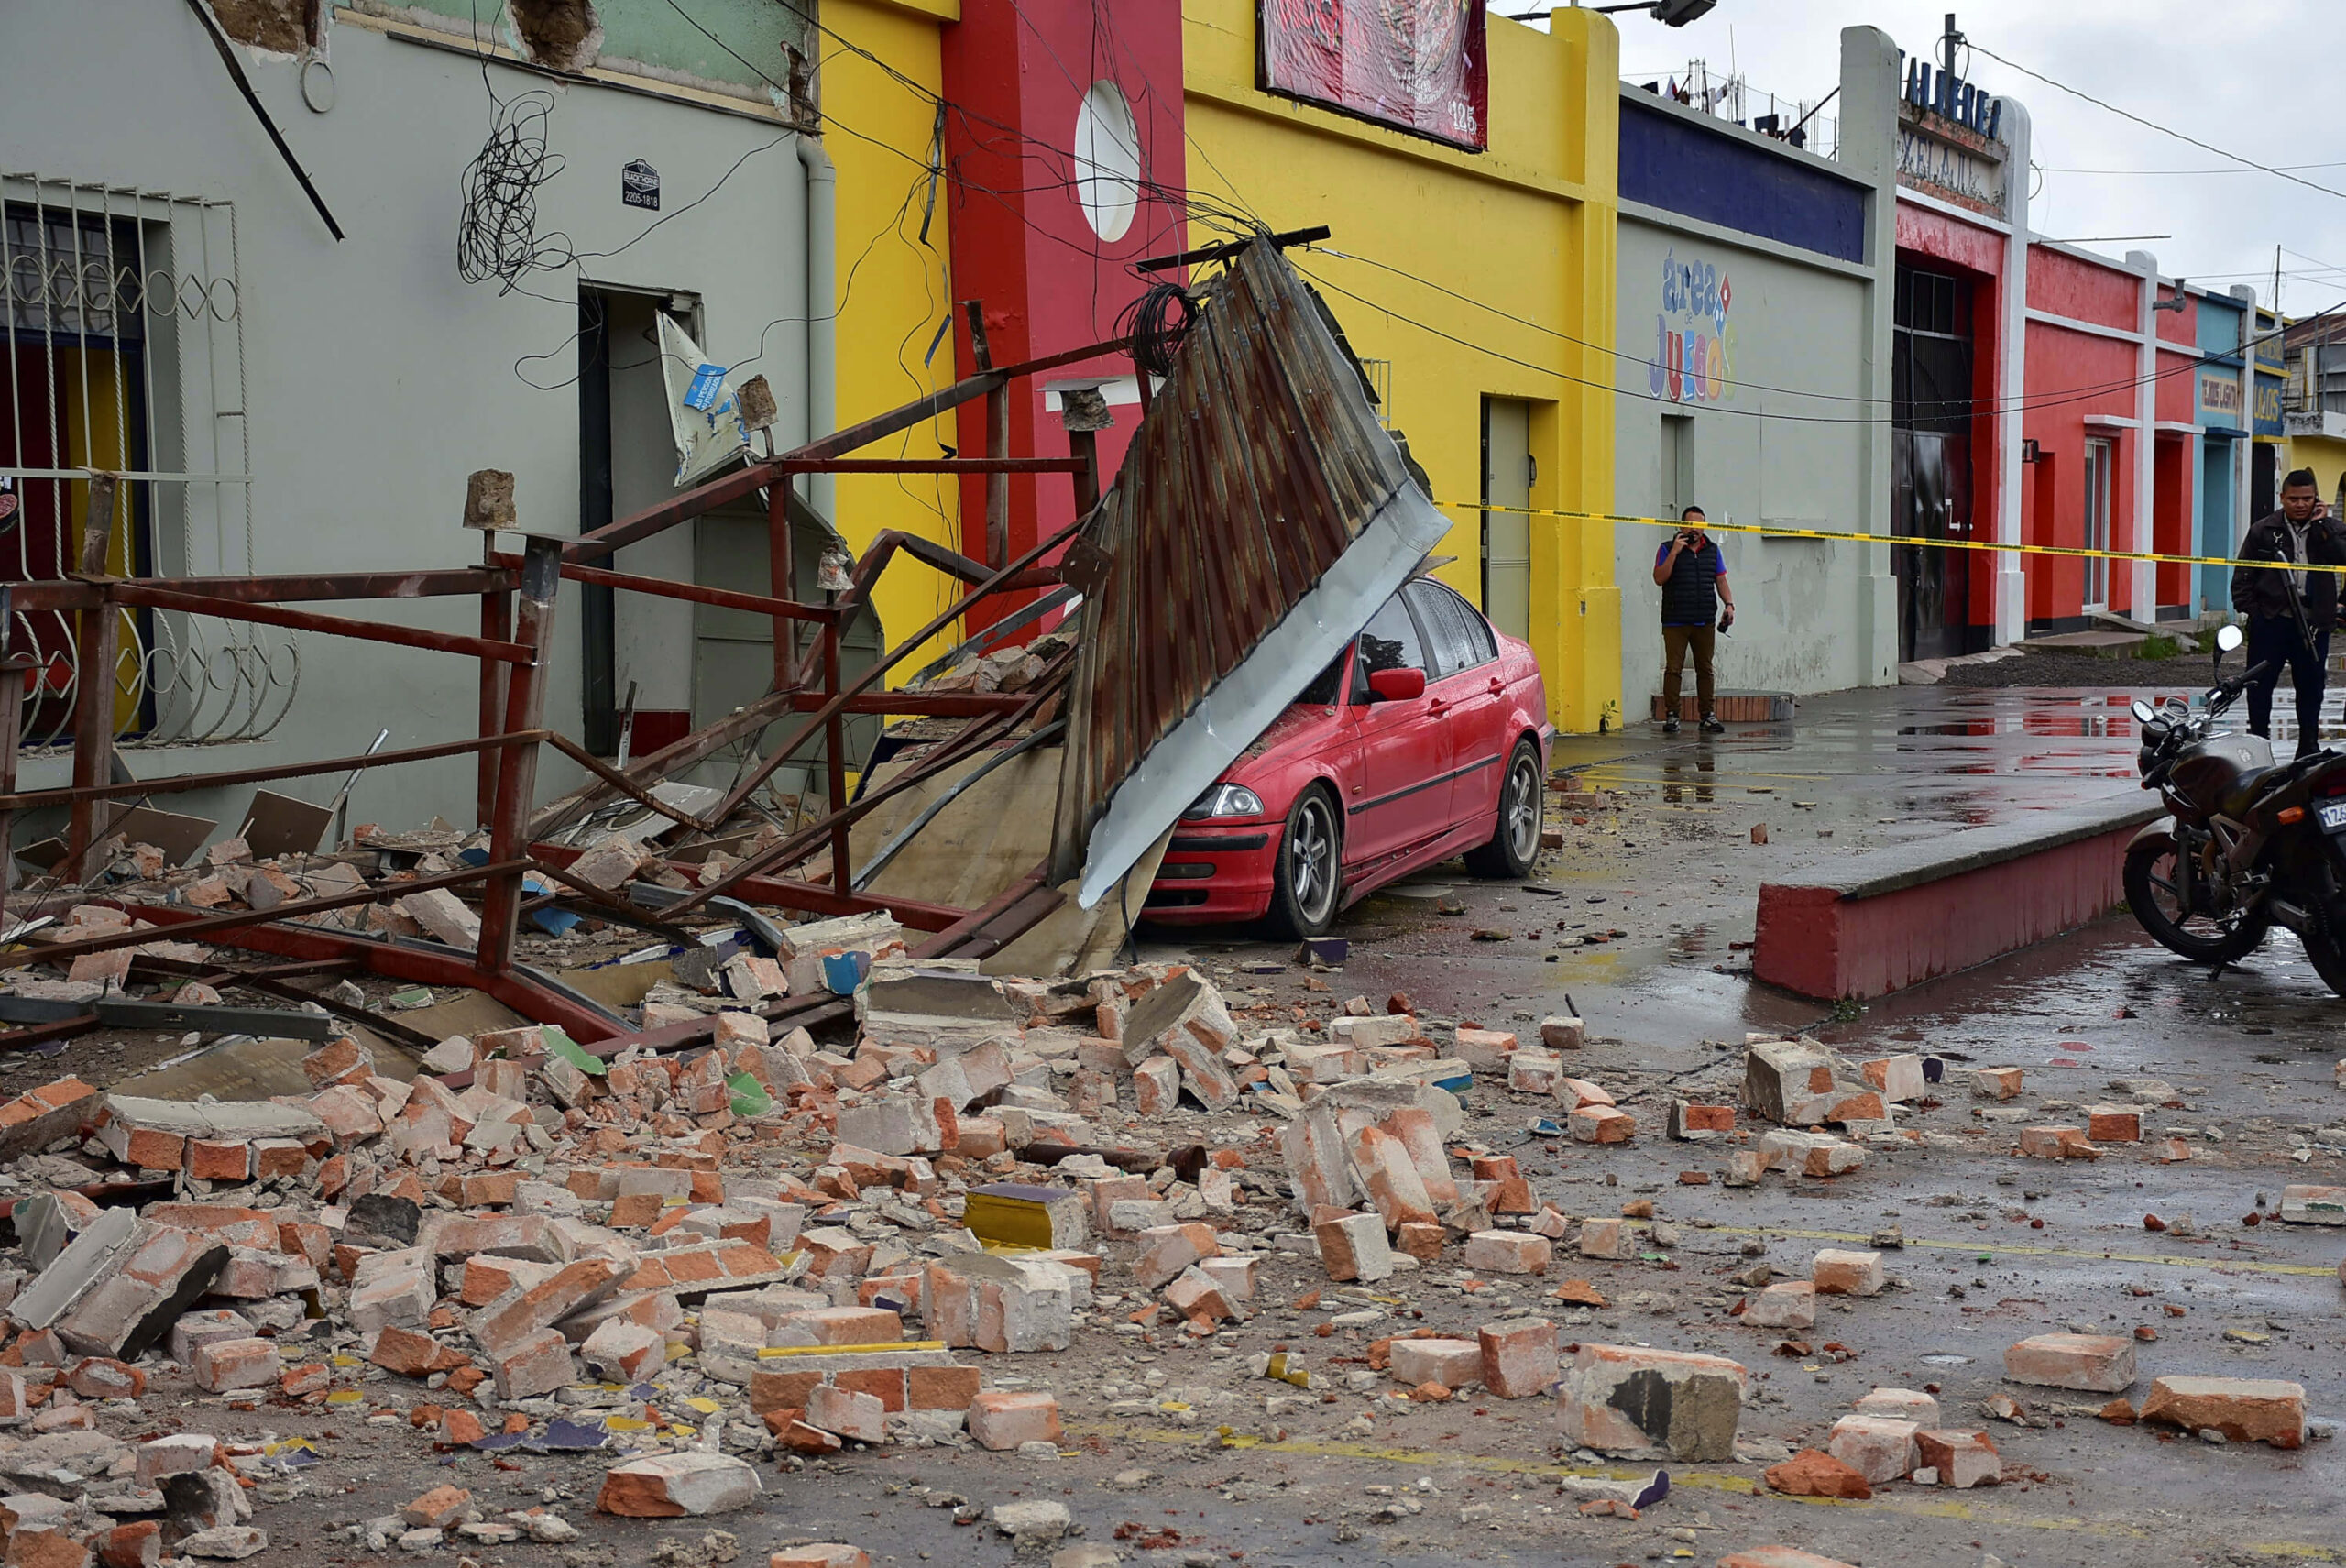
1066 163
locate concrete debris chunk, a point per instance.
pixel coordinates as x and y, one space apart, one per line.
1631 1401
674 1485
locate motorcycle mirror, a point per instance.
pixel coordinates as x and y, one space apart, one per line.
2229 640
2143 712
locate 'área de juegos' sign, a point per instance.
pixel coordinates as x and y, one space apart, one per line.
1415 65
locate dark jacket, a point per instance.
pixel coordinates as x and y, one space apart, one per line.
1690 596
2261 591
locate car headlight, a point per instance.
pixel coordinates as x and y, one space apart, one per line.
1226 800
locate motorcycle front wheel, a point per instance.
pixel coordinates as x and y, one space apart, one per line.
2328 960
2152 892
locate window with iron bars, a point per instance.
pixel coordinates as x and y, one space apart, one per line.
125 356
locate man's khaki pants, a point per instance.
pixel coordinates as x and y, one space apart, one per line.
1675 641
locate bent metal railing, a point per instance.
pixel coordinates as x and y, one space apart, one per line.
518 597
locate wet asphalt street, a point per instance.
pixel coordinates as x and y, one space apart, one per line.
1996 1248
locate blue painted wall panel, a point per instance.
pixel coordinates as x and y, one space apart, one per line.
1682 168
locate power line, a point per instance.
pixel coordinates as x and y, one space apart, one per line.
2023 405
2154 125
2280 168
1979 405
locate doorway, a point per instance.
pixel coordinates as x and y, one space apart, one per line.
1931 456
1508 471
2100 467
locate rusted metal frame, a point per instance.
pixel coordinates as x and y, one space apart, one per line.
453 582
626 785
519 988
626 530
1000 464
785 894
34 799
32 1035
97 634
203 926
674 757
13 667
977 733
942 705
496 625
628 913
880 668
835 759
724 599
266 983
1013 922
947 941
1083 450
525 701
781 582
330 625
806 839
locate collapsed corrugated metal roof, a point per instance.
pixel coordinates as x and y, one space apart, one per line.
1260 516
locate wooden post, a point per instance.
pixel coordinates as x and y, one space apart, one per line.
496 625
97 642
780 573
525 702
997 440
835 758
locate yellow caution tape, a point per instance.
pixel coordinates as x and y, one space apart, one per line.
1779 531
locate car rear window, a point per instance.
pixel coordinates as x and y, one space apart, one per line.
1460 638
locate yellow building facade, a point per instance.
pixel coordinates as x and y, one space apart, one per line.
1479 286
1481 282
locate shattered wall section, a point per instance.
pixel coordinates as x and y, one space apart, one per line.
281 26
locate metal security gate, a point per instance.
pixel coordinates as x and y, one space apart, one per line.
124 346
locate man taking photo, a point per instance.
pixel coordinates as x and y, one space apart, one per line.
2303 532
1692 575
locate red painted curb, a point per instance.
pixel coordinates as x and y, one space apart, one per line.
1835 942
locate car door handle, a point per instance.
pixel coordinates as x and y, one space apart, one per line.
1496 685
1436 709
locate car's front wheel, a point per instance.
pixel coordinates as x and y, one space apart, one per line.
1515 837
1303 898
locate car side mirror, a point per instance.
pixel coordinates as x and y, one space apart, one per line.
1396 685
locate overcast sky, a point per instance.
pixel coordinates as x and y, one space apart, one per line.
2254 77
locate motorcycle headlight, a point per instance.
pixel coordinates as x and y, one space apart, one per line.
1226 800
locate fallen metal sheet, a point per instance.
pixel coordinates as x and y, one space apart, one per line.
279 824
268 1023
1261 517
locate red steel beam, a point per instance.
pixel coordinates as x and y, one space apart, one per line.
930 464
724 599
463 580
332 625
396 960
784 893
733 486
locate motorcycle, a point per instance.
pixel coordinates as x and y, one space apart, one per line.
2249 843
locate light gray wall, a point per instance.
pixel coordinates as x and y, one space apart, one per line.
1814 616
376 378
1792 323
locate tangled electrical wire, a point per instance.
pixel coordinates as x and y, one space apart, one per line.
496 236
1150 321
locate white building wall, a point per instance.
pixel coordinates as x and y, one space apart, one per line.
375 377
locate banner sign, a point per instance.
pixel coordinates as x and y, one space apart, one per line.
1415 65
2219 398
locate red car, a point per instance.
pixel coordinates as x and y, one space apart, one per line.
1427 738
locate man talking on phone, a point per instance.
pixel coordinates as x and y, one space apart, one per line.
1692 575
